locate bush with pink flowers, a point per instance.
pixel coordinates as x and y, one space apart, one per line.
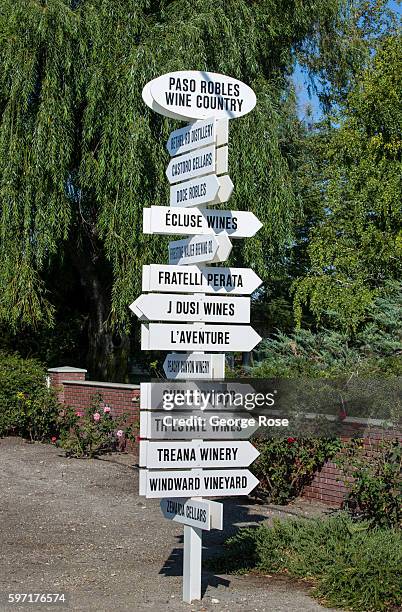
93 431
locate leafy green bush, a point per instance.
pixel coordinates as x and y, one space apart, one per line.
374 481
374 350
286 465
93 431
349 564
27 407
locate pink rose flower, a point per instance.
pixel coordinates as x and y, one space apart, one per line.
79 413
54 439
97 417
106 409
120 433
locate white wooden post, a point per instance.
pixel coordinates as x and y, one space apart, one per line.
192 556
197 174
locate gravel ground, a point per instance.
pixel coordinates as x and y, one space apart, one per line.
79 527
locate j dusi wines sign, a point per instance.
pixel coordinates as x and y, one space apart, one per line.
196 95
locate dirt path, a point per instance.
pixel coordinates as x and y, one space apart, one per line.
80 527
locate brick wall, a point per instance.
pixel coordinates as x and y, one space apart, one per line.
327 485
58 375
74 390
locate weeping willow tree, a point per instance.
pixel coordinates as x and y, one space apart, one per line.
81 155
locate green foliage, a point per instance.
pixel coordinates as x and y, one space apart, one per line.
286 465
351 565
374 481
93 431
336 61
374 349
27 407
80 153
356 245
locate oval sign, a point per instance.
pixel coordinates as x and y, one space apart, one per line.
149 101
192 94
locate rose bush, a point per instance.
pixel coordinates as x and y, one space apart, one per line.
286 465
93 431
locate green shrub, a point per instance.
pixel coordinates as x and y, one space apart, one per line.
373 351
93 431
286 465
350 565
27 407
374 481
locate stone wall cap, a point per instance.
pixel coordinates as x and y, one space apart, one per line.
96 383
66 369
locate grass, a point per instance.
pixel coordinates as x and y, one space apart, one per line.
351 565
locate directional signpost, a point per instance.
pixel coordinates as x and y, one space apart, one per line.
197 163
192 308
197 454
194 279
198 134
197 425
188 450
209 396
161 336
199 249
209 189
196 483
204 514
194 366
233 223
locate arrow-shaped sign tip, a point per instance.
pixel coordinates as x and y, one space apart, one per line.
256 339
225 189
259 224
252 482
135 307
257 281
254 453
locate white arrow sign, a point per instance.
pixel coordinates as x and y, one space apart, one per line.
192 308
204 514
166 220
199 249
196 483
211 396
196 454
208 189
198 337
198 134
192 279
197 425
197 163
194 366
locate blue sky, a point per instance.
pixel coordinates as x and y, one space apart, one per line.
300 79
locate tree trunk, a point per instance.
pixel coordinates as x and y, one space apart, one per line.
108 352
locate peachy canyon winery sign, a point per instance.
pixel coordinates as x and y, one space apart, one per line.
198 310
